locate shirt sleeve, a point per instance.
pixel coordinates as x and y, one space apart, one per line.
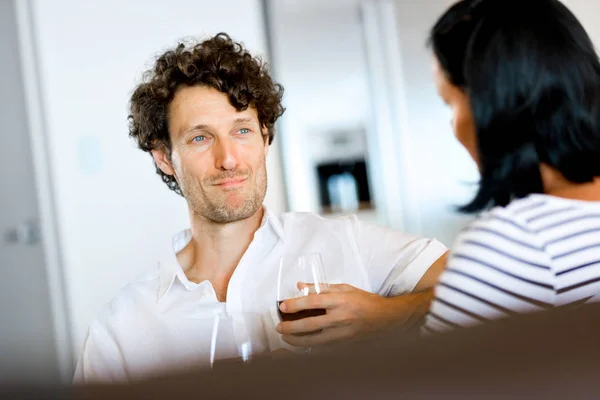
497 268
101 360
395 261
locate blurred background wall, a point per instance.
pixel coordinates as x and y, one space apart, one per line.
359 91
82 211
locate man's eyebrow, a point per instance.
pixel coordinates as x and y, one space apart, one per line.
243 119
198 127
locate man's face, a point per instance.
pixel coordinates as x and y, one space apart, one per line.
217 155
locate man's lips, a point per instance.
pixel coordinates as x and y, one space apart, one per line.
229 182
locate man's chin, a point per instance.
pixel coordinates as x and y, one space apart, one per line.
234 216
235 212
236 204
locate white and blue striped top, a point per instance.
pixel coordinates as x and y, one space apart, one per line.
538 252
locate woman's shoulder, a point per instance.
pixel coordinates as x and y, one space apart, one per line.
508 227
511 217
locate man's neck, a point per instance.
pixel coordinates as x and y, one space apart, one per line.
216 249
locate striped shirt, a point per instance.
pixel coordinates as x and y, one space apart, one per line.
538 252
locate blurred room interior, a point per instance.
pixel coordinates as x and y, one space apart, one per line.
82 210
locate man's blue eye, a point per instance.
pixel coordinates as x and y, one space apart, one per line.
199 138
244 130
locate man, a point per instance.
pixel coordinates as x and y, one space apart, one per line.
206 113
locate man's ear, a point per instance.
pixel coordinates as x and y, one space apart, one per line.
163 161
265 135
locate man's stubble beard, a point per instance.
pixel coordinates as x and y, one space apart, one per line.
217 211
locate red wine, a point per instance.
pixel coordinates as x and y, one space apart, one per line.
300 314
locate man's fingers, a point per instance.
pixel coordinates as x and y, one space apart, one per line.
325 287
327 336
310 302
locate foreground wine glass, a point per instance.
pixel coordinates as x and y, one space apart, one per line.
237 338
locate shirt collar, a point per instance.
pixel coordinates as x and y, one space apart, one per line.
273 222
169 267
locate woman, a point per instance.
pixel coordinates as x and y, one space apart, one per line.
524 89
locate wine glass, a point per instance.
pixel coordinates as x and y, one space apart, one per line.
237 338
294 271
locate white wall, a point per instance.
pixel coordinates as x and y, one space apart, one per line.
27 336
319 59
113 210
320 56
587 11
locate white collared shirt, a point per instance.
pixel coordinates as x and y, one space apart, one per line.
163 321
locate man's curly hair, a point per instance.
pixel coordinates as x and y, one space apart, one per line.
218 63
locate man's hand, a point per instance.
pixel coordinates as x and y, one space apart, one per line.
351 315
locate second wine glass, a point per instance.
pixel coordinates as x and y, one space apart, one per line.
236 338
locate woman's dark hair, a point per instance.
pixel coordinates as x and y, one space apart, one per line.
218 63
533 80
